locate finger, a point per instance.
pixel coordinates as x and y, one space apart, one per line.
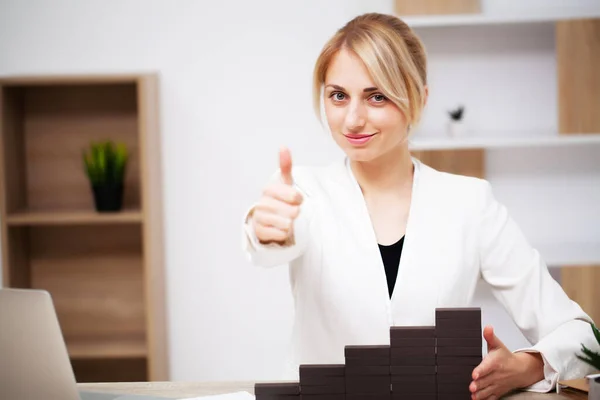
486 367
285 165
271 205
483 382
284 193
273 220
488 393
269 233
492 340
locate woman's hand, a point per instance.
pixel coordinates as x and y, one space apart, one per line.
502 371
274 214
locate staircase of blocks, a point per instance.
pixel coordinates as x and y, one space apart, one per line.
420 363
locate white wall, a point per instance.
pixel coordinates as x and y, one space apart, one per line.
235 85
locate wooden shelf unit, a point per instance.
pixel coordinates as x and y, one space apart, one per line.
577 62
104 270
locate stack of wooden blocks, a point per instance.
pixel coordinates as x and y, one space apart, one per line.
420 363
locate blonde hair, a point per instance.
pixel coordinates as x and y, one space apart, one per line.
393 55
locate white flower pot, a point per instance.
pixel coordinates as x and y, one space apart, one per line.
456 129
594 382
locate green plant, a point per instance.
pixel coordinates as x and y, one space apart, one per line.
457 114
105 163
591 357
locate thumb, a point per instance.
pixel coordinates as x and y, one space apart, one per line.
285 165
492 340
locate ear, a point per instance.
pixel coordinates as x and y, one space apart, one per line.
426 96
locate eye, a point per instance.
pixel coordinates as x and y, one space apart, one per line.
337 96
378 98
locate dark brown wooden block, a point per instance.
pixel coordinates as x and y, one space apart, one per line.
401 380
366 396
370 351
454 369
462 376
278 397
321 370
452 323
459 342
453 360
458 333
374 361
398 352
322 397
316 380
268 388
412 370
403 332
458 313
414 396
461 388
354 370
413 360
369 384
412 342
459 351
335 388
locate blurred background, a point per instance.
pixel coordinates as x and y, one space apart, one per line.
136 133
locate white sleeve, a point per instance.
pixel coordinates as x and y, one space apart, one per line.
520 280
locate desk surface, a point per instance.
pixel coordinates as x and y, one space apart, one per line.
196 389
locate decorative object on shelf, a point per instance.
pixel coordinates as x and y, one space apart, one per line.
105 166
456 125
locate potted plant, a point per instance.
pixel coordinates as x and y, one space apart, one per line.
105 165
592 358
456 125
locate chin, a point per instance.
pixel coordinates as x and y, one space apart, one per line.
361 154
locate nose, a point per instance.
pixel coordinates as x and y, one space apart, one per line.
355 116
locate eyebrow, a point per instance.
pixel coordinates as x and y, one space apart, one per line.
366 90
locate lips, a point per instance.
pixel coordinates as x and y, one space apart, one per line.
357 135
358 139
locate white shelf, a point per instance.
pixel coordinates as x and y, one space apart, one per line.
494 142
548 16
569 254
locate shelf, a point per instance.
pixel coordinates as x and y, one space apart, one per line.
570 254
503 142
29 218
524 17
106 348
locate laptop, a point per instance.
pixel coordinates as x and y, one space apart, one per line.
34 363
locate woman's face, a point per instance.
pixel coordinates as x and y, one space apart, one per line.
363 122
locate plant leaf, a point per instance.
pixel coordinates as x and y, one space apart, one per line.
596 333
592 358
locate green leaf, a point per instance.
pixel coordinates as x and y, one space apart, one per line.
596 333
592 358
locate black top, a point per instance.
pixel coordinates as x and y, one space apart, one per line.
391 259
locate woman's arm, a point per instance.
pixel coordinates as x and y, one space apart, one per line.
548 318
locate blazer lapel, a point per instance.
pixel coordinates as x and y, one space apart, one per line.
362 225
415 289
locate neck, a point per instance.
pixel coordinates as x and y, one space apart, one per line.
391 171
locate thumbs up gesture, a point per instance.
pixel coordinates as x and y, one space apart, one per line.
275 212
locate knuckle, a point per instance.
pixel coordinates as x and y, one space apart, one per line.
295 212
259 229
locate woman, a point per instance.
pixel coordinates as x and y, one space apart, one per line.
381 239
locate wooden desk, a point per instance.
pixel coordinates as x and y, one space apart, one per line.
195 389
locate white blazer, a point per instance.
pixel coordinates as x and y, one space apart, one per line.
456 234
